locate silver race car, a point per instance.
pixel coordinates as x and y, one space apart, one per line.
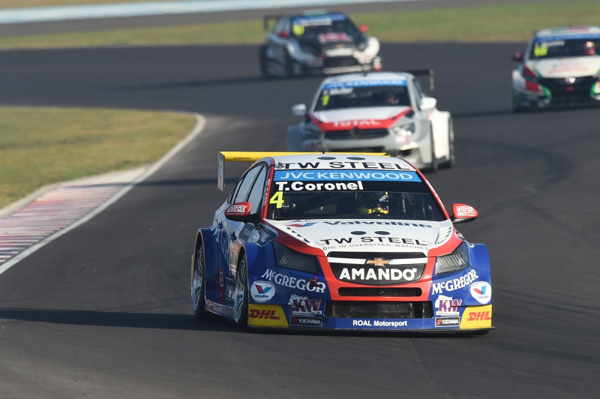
561 67
376 112
317 43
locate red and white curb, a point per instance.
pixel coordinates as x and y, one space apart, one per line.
65 206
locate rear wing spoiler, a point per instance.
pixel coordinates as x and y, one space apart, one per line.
269 18
424 72
253 156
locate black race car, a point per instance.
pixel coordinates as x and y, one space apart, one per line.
317 43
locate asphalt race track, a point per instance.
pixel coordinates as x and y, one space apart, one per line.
104 311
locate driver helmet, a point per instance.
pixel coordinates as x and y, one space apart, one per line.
373 203
589 48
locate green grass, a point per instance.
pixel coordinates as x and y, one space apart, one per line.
497 22
41 146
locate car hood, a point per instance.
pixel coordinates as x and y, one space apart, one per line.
567 67
350 235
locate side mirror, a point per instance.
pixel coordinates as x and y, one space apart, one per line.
518 56
363 28
428 103
462 213
239 212
299 109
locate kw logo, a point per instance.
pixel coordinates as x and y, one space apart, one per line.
479 316
263 314
378 262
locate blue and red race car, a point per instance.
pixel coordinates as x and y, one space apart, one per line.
332 241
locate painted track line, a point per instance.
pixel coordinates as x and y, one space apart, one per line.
69 205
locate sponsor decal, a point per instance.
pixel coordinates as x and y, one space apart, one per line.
262 291
293 282
447 306
266 316
237 209
221 274
333 186
454 284
378 323
366 83
363 222
373 240
306 321
447 321
377 275
303 306
481 291
344 165
341 176
477 317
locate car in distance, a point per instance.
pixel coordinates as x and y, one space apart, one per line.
376 112
561 67
317 43
332 241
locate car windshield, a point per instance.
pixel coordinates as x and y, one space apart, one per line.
562 48
340 97
362 194
318 28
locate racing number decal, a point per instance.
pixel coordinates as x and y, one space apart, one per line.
540 51
325 100
298 30
277 199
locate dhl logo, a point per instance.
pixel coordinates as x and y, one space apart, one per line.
263 314
266 316
477 317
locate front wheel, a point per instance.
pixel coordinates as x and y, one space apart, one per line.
198 286
241 294
434 166
451 156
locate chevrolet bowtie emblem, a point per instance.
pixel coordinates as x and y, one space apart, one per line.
378 262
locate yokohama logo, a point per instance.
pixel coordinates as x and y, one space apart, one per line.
263 314
478 316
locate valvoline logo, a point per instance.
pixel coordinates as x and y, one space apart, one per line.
308 224
262 291
481 291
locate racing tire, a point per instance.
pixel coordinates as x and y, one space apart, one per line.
289 70
198 284
241 294
262 59
434 166
451 155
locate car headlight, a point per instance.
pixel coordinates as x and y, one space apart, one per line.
405 129
290 259
456 261
362 45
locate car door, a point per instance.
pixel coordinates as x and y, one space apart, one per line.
248 189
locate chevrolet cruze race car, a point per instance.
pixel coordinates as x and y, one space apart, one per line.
331 241
376 112
317 43
560 67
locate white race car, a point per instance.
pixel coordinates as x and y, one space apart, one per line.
560 67
317 43
376 112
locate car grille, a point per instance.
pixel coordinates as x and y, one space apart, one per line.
373 268
356 134
395 292
337 62
358 149
379 310
563 91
